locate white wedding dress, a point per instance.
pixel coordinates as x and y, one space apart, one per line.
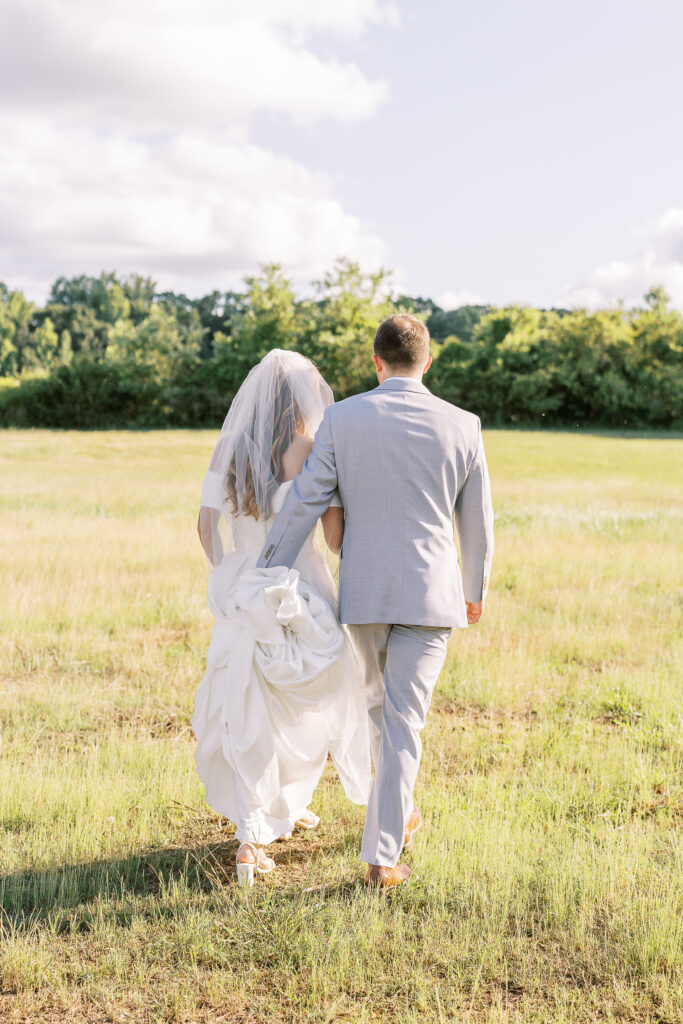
282 687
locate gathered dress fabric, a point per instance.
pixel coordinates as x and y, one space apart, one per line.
282 687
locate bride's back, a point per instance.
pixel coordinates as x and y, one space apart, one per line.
249 533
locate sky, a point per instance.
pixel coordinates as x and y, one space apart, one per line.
495 152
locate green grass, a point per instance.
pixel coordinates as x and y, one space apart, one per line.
548 877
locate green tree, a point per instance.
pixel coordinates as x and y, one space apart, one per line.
655 363
66 351
104 295
460 323
140 293
86 307
157 343
16 340
417 305
112 351
8 350
46 345
269 318
339 327
265 317
217 312
485 374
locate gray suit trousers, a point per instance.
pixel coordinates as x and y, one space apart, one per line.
402 665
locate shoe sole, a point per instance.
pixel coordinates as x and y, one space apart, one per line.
247 870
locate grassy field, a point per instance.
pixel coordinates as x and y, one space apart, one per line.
548 878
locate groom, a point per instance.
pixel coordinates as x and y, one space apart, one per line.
407 466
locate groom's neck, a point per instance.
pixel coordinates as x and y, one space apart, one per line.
387 374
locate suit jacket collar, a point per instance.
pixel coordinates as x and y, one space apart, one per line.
403 384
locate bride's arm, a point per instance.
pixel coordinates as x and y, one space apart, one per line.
333 519
209 534
213 497
333 528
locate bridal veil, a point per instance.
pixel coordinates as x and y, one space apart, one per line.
282 396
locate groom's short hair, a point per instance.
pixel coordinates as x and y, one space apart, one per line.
402 341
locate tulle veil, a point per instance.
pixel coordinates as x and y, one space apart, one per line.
282 396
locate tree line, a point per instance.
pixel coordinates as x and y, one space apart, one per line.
114 351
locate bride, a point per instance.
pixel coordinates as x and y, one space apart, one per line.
282 686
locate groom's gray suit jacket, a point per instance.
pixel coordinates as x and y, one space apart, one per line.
408 466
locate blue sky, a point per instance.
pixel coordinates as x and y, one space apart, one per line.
503 152
522 145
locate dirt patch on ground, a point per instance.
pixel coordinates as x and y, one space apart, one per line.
35 1008
484 715
155 722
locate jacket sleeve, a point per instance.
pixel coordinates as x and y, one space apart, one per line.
474 523
309 496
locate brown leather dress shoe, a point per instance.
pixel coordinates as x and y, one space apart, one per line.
412 825
387 878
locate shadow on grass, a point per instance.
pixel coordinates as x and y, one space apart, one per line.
31 896
34 894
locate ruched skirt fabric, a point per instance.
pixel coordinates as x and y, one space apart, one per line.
281 691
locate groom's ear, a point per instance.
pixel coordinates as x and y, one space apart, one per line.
427 364
379 365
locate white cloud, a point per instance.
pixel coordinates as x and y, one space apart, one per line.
351 17
126 139
454 300
660 262
168 66
195 213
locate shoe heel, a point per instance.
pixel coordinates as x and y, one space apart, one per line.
245 875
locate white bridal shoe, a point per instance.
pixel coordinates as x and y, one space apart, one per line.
308 820
250 859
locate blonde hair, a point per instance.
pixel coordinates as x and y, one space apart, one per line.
287 421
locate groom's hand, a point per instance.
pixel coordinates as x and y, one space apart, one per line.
475 610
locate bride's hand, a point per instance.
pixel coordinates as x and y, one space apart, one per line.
333 528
